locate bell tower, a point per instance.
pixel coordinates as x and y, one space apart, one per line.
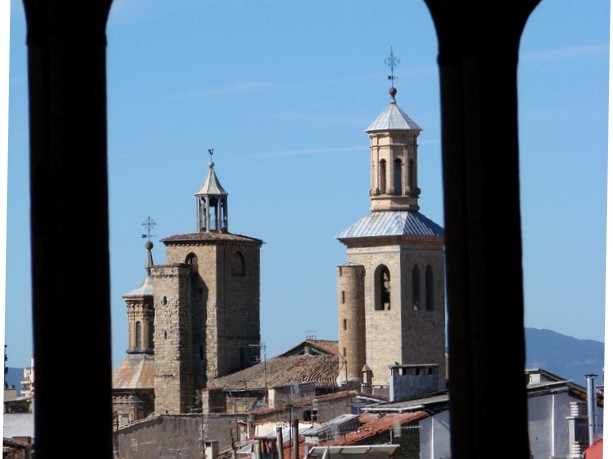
207 302
393 281
212 203
393 157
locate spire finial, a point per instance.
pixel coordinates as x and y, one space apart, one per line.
211 163
149 223
391 62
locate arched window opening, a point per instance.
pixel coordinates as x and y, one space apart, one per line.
397 177
382 177
238 264
191 259
429 289
411 174
202 213
382 288
416 292
138 335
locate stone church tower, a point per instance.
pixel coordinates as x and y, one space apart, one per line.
201 318
391 290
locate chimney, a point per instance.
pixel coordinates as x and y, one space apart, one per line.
591 406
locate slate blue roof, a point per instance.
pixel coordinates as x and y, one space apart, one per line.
393 119
145 289
399 223
211 185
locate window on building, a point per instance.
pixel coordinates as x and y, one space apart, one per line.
382 288
411 174
382 177
429 289
397 177
416 290
192 259
138 336
238 264
343 297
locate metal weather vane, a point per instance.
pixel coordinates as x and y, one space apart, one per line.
148 224
391 62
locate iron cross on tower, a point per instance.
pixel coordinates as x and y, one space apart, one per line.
391 62
148 224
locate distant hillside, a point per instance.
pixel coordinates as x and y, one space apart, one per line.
562 355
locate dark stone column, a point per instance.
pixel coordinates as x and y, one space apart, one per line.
69 226
478 52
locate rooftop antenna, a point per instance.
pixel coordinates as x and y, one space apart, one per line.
392 61
310 334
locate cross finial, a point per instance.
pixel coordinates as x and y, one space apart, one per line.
148 224
391 62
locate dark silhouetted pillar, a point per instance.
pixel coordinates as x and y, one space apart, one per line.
478 54
69 227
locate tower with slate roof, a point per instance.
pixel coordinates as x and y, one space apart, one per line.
391 290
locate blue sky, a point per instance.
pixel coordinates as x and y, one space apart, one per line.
283 92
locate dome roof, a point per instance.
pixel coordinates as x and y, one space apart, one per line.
393 118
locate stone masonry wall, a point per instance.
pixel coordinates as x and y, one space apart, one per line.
172 339
351 326
400 334
225 304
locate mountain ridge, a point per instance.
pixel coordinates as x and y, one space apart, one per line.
565 356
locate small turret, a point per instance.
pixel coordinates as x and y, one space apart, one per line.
212 203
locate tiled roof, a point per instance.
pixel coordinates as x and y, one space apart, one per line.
369 426
321 370
342 394
313 346
372 424
431 401
136 371
392 223
208 236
